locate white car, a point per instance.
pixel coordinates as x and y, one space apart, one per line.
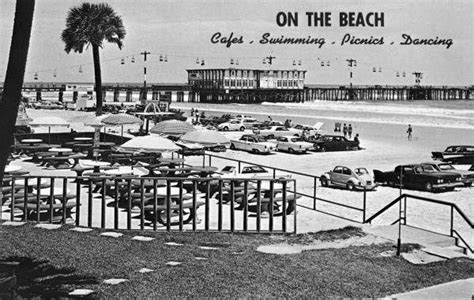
293 144
341 176
276 131
252 143
236 124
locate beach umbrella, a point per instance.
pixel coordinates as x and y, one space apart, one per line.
149 143
205 137
172 127
49 122
121 119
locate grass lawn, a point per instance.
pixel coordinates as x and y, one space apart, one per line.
55 262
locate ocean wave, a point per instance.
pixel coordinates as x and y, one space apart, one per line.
382 108
366 118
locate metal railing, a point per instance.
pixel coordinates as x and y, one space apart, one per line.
460 240
165 203
312 196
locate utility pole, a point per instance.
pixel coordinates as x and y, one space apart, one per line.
418 77
270 59
351 63
144 53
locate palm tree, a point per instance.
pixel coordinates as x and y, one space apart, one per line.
11 95
91 24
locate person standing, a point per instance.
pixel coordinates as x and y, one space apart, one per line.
356 139
349 131
410 132
344 129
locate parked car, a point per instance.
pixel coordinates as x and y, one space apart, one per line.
245 172
310 129
236 124
276 131
48 105
460 154
467 177
357 179
252 143
334 143
419 176
293 144
249 122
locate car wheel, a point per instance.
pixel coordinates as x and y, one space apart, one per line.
323 149
324 181
428 187
291 150
226 128
232 146
350 186
255 151
242 128
468 184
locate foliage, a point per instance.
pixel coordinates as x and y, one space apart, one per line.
91 24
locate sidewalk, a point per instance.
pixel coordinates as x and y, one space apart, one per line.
460 289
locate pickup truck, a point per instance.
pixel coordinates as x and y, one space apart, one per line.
419 176
252 143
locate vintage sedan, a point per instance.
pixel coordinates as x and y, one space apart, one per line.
236 124
459 154
467 177
252 143
357 179
419 176
276 131
334 143
293 144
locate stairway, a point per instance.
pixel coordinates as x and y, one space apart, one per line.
433 243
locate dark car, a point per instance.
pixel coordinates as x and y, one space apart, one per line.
458 154
334 143
419 177
467 177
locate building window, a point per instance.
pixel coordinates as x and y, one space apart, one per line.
226 82
232 73
284 83
244 82
278 83
244 73
239 82
232 82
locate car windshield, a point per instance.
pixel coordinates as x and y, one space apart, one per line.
260 139
429 169
228 169
446 167
361 171
296 139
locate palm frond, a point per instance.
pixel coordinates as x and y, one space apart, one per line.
91 23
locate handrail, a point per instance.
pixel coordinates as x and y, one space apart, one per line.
384 209
452 205
260 165
465 243
466 218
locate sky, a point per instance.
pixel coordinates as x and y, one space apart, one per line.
182 30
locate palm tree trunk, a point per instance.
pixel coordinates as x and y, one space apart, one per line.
98 80
11 96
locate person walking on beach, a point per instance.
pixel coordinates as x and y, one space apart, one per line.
344 130
410 132
192 111
349 131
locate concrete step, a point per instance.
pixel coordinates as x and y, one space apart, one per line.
444 252
414 235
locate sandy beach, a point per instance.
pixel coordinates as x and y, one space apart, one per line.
385 146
